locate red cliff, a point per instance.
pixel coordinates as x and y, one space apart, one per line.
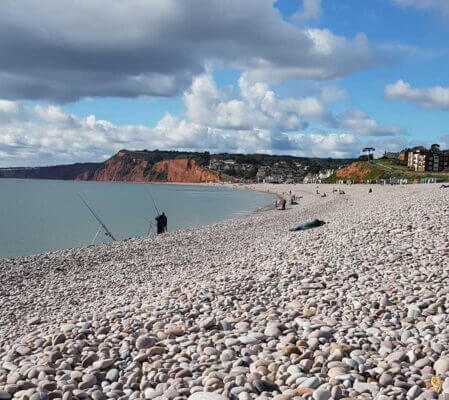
357 171
127 166
123 167
184 170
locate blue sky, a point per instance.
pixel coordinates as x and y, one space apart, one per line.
305 77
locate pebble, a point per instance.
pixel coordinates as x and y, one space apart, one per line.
206 396
320 394
4 395
441 366
145 342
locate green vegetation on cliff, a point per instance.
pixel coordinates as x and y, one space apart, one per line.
382 169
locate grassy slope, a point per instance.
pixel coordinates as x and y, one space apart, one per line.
384 169
395 169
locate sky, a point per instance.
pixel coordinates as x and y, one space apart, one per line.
316 78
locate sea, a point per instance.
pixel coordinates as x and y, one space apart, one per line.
37 216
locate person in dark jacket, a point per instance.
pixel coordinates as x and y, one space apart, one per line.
164 221
161 223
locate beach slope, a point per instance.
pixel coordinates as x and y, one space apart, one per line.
244 308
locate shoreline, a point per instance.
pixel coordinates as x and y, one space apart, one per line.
242 301
236 212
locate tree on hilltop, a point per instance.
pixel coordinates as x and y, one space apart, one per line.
369 151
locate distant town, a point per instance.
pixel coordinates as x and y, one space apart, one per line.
391 167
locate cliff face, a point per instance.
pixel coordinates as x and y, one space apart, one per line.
356 171
183 170
123 167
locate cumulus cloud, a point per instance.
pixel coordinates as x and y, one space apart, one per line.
255 106
11 111
251 118
437 5
65 50
68 138
361 123
433 97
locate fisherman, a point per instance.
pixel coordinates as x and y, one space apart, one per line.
161 223
164 222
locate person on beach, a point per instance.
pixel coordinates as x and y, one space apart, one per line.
161 223
443 186
283 204
164 221
370 190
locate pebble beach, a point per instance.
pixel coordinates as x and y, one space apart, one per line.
242 309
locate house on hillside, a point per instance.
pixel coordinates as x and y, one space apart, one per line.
421 159
403 155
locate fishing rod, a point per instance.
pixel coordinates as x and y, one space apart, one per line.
106 230
154 203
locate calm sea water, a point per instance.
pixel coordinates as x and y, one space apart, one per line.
40 215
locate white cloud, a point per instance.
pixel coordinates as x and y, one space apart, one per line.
433 97
436 5
256 107
47 142
251 118
11 111
362 124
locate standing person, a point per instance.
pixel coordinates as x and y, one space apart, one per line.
164 221
283 202
161 223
